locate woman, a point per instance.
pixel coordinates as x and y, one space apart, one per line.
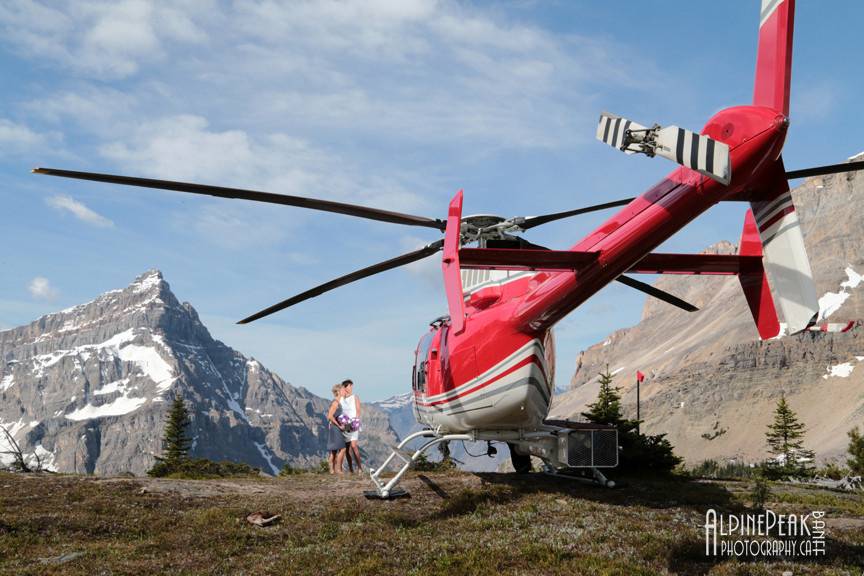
351 408
335 438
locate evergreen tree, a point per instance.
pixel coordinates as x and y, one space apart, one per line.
785 437
607 408
856 452
176 441
639 452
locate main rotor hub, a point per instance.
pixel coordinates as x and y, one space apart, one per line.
481 227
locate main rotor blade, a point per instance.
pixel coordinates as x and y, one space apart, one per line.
657 293
823 170
533 221
402 260
223 192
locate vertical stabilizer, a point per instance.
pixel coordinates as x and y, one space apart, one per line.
784 254
450 265
755 282
774 55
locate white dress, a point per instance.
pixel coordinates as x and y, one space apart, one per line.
349 408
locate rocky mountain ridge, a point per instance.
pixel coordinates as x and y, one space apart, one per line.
86 389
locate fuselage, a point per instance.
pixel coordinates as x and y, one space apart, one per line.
497 373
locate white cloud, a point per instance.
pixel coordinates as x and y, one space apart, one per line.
16 137
99 109
418 70
79 210
186 148
428 269
815 101
41 289
99 38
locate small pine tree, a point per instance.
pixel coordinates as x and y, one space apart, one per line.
760 492
856 452
176 441
639 452
607 408
785 437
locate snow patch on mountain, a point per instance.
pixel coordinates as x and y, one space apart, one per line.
112 387
265 453
832 301
396 402
146 358
149 280
119 407
843 370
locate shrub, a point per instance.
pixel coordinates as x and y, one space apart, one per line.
856 452
288 470
731 469
200 468
760 492
423 464
833 470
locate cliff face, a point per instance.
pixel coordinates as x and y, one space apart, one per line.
87 390
711 384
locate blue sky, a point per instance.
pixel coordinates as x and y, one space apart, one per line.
392 104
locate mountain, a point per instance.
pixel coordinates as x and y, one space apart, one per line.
400 411
711 384
87 390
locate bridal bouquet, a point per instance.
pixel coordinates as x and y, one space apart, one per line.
349 424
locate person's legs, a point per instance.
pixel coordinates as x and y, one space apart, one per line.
331 460
340 456
349 456
355 450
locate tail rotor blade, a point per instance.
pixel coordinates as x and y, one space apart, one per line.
269 197
348 278
824 170
657 293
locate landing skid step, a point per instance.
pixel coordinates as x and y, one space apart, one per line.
391 495
385 490
597 477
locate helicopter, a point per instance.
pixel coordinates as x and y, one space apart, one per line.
485 370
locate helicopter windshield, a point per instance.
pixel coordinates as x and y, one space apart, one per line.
420 362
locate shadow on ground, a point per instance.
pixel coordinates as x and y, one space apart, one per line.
654 492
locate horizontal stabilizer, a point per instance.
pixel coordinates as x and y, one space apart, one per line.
700 264
654 263
689 149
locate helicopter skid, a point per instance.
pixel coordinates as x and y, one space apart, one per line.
560 447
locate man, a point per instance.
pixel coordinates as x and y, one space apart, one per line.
351 407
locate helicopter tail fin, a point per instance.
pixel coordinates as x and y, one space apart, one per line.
774 55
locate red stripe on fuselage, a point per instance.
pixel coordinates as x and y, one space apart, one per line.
533 359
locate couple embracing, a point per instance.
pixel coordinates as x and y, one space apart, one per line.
344 428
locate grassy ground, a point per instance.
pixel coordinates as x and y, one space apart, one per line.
453 523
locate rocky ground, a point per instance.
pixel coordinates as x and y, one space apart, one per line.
453 523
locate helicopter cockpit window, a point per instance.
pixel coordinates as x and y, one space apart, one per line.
421 361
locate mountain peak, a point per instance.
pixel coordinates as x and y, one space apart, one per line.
147 281
87 389
397 401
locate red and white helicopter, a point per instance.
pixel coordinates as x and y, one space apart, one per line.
485 371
